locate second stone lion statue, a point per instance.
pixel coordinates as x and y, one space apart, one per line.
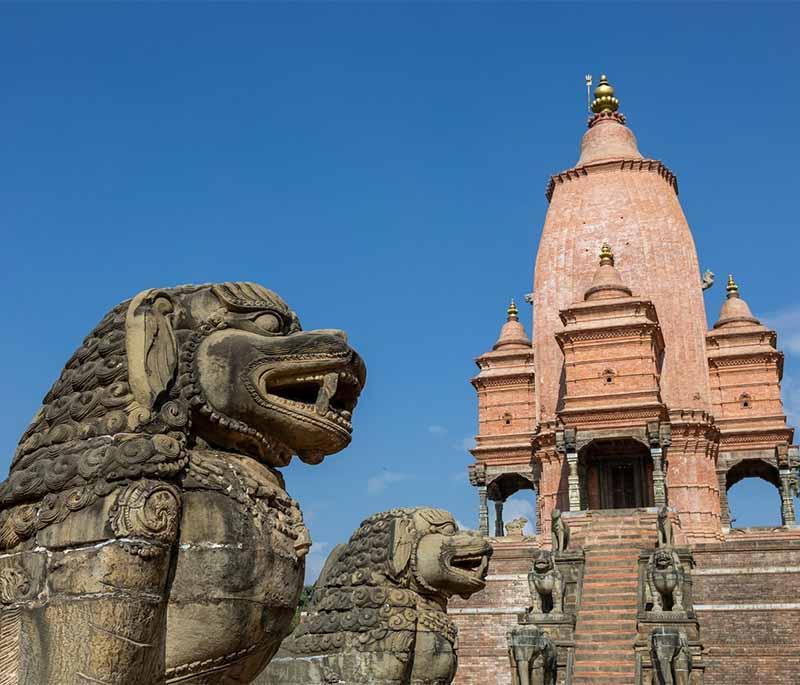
146 536
378 612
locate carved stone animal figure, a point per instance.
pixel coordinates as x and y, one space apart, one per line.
559 531
378 614
146 535
665 579
665 536
516 528
546 585
672 660
534 656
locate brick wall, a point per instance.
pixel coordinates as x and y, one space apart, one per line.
747 596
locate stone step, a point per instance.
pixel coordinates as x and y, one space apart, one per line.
605 639
604 679
604 666
611 602
616 587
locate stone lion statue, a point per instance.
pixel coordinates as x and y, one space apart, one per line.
146 536
546 585
665 578
378 612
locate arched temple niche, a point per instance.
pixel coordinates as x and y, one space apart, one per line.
509 494
753 494
615 474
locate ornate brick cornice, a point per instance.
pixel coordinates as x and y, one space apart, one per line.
769 437
511 379
746 359
647 165
613 331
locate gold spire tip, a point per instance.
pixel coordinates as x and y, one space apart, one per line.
606 255
733 288
604 100
512 311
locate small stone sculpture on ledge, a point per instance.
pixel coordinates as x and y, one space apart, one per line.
146 535
533 655
559 531
671 658
665 536
516 528
378 612
546 585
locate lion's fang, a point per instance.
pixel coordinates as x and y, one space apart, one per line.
326 391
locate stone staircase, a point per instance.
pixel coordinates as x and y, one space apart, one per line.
606 625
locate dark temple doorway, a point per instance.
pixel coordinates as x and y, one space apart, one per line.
618 474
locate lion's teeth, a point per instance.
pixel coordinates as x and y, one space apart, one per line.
326 391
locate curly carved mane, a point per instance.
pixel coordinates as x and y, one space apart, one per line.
367 592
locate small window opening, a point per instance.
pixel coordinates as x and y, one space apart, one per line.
507 419
745 401
608 375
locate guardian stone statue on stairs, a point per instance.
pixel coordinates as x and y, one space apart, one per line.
146 536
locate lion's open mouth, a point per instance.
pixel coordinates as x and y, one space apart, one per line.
474 565
330 395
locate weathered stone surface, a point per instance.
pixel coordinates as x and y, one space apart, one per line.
671 658
145 534
378 613
546 585
665 580
533 656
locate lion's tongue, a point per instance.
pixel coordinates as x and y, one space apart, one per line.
326 391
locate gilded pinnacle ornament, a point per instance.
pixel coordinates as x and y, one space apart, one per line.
512 311
606 255
604 100
732 288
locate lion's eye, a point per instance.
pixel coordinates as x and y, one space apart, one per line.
269 323
447 529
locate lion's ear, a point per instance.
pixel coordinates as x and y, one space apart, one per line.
150 346
402 545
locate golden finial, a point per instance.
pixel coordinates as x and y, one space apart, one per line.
606 255
513 313
733 289
604 100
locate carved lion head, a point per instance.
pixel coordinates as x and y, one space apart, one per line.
225 365
543 563
663 559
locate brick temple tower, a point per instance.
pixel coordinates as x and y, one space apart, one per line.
625 403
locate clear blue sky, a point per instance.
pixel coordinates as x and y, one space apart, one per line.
383 167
